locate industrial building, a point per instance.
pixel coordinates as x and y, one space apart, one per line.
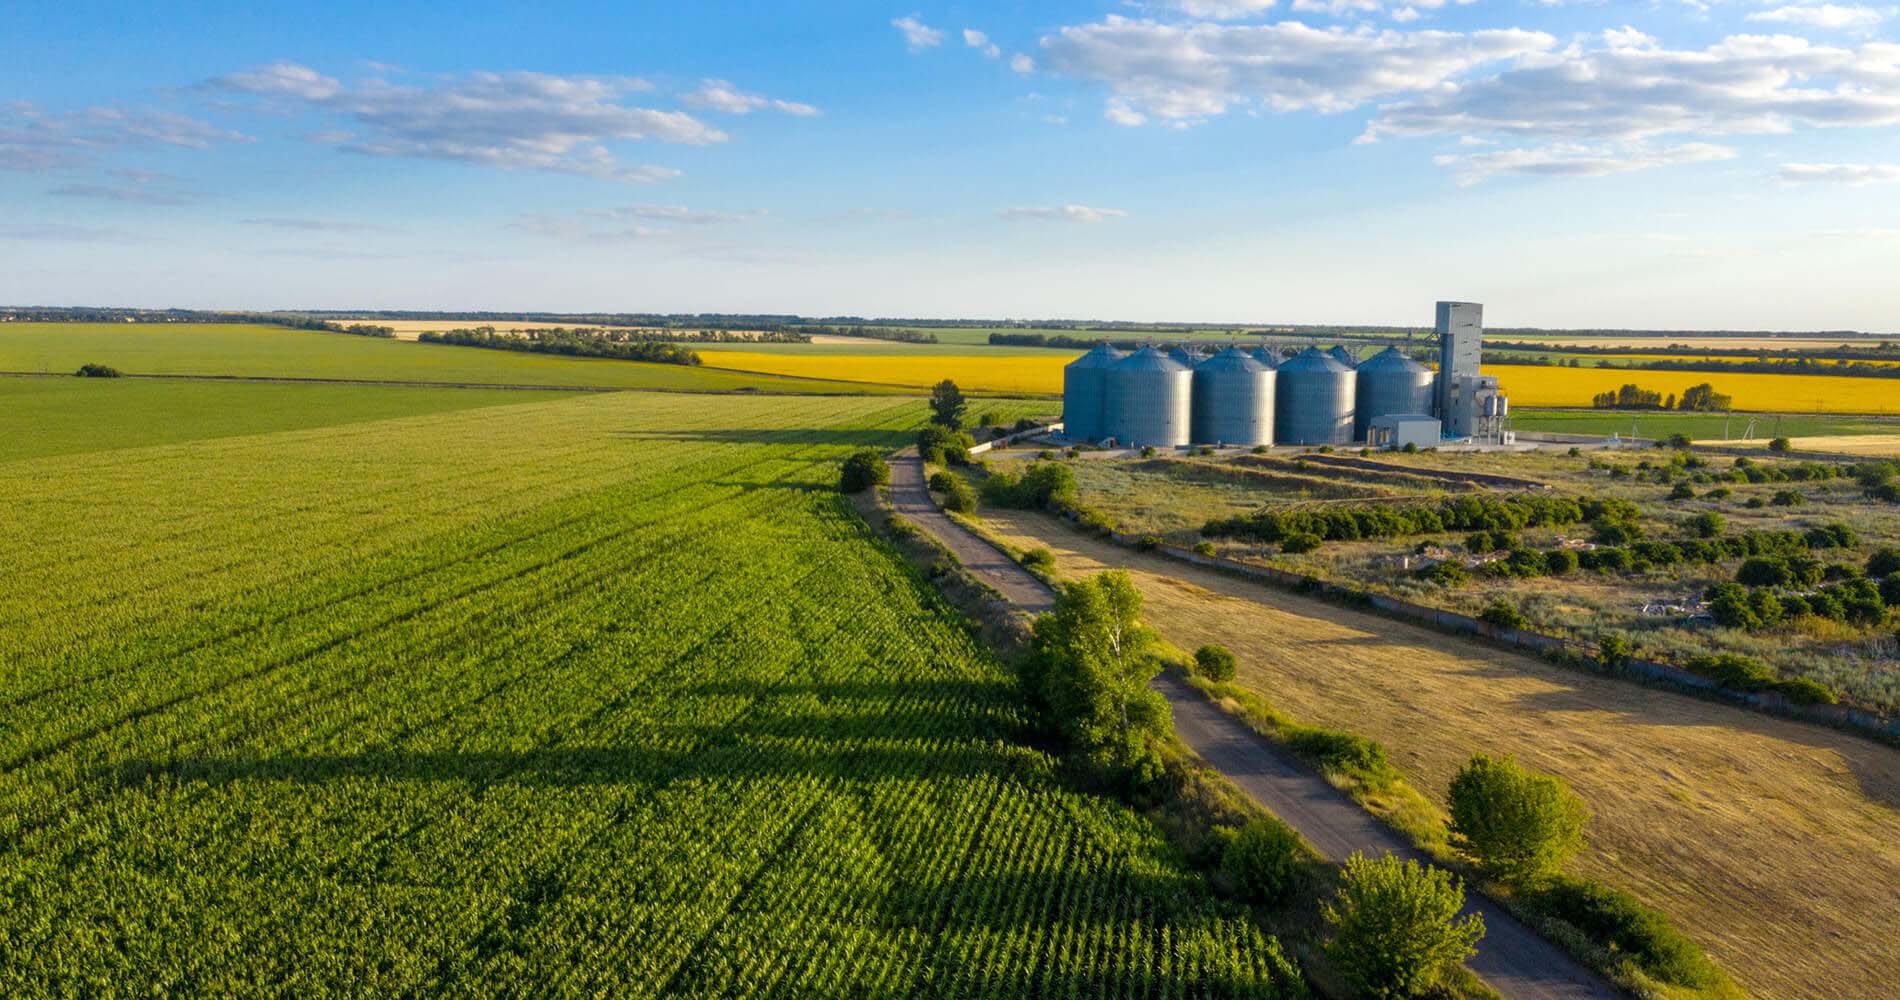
1240 397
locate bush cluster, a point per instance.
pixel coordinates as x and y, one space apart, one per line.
1263 860
940 444
863 470
1041 486
90 370
1463 513
1216 663
1625 926
957 494
1740 673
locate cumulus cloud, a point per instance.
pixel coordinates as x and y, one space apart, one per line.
32 139
1821 15
1220 10
981 42
918 36
1022 64
721 95
514 121
1575 160
1064 213
1839 173
1184 73
1631 88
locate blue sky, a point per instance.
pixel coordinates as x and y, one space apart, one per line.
1731 163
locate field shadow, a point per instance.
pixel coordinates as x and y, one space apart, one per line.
882 439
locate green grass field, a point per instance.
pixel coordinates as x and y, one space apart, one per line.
1706 427
277 352
612 697
59 416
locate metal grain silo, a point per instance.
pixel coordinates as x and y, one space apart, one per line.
1314 400
1148 400
1344 356
1084 387
1389 384
1267 356
1233 400
1187 354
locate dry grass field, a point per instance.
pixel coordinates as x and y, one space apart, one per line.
1775 844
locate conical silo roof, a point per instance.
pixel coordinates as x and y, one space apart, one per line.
1392 360
1265 356
1313 360
1100 356
1344 356
1232 359
1148 359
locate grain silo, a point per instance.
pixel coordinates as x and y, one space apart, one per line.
1147 402
1314 400
1233 400
1344 355
1390 383
1267 356
1084 386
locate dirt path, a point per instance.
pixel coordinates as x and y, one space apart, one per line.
1512 959
1775 844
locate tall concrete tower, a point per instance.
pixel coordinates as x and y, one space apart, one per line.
1460 332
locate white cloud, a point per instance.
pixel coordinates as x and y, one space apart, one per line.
977 40
1839 173
1188 72
1220 10
1822 15
1119 111
1065 213
515 121
1631 88
31 139
918 36
721 95
1022 64
1574 160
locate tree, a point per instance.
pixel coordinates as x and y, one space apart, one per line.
1092 661
1263 859
1518 825
1216 663
1780 444
1703 397
947 404
863 470
1396 926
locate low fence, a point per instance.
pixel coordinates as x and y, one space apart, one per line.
1550 647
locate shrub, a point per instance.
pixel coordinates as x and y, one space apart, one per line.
1558 562
1780 445
1411 448
1807 691
1263 859
863 470
1503 614
1764 571
1626 927
1842 571
1683 491
1480 543
1883 562
1719 493
939 445
1765 606
1754 503
1148 543
1831 536
1445 574
1298 542
1204 548
1216 663
1618 532
1396 928
1347 753
1709 525
1676 441
1788 498
90 370
1518 825
1734 671
1728 605
1147 451
1613 652
1039 559
957 494
1890 590
1607 561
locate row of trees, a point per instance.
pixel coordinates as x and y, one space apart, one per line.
578 343
1701 398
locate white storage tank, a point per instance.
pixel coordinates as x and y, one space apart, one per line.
1149 400
1390 383
1084 387
1233 400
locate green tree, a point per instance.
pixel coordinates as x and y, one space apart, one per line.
1263 859
863 470
1093 659
1396 926
1519 825
1216 663
948 405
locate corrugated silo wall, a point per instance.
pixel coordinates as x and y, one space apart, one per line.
1083 390
1385 392
1314 407
1233 407
1149 407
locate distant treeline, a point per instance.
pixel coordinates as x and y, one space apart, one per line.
578 343
1696 399
562 333
1885 349
294 321
1794 366
873 333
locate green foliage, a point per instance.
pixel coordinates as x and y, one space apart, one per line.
1683 491
864 469
1040 560
1708 525
1558 562
947 405
1502 614
1300 541
1091 664
1884 562
1216 663
1614 652
90 370
1780 444
575 343
1263 860
1445 574
1042 486
1396 929
1622 924
1764 571
1464 512
1204 548
957 494
939 444
1788 498
1347 753
1517 825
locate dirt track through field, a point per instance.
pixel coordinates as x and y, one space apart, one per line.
1775 844
1512 959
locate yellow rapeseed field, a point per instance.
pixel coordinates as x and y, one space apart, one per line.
1029 373
1527 385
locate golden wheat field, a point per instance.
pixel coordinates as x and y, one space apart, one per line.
1527 385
